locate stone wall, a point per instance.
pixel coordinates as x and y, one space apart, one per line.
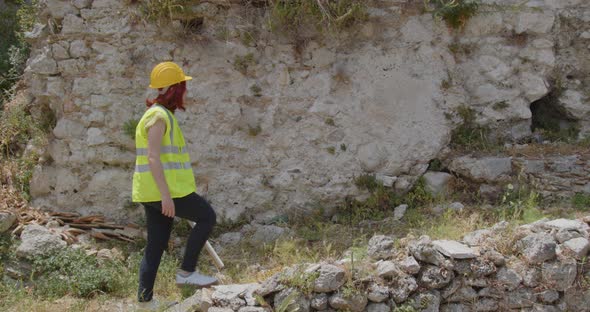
541 267
380 98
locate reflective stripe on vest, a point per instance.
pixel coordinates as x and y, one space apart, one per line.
165 166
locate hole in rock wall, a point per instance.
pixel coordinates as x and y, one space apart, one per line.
549 121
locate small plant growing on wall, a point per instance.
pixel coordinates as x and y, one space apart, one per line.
454 12
254 131
256 90
129 127
290 15
242 63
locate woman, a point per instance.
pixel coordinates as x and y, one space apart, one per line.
164 183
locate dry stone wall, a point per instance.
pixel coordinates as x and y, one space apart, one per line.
380 98
535 267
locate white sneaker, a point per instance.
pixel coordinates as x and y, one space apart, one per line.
154 305
195 279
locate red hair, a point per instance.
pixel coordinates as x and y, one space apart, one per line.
171 99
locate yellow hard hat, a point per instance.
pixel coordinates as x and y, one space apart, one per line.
166 74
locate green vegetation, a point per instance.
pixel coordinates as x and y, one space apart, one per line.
499 106
330 122
343 147
581 201
162 11
129 127
454 12
292 16
72 272
331 150
367 182
242 63
469 135
435 165
18 128
382 200
520 204
256 90
254 131
301 280
17 18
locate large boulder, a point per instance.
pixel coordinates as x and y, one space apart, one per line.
38 241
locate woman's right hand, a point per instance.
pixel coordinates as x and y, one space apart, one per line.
168 208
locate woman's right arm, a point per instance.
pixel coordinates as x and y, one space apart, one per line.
155 135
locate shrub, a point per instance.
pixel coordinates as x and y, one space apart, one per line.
367 182
581 201
16 18
71 271
454 12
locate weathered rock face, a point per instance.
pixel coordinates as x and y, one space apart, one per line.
327 111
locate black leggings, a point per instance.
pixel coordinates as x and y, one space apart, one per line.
192 207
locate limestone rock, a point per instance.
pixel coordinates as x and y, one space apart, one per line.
402 287
548 296
387 269
266 233
508 278
330 279
433 277
534 22
399 212
579 247
409 265
577 299
232 295
299 301
6 221
437 182
483 169
427 301
378 293
463 294
320 301
477 238
38 241
380 247
486 304
271 285
43 64
537 247
559 275
356 302
378 307
565 224
520 298
453 249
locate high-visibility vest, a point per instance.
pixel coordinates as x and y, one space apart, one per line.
173 155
